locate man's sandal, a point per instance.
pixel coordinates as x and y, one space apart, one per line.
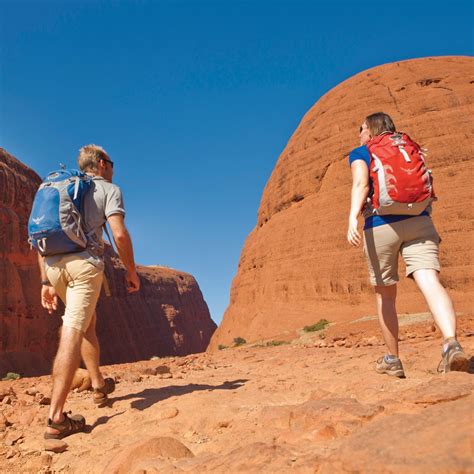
100 394
70 425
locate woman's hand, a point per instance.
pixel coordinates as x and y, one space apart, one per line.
353 236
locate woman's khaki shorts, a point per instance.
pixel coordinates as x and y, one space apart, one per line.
415 238
78 284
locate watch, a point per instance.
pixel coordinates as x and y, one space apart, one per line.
45 283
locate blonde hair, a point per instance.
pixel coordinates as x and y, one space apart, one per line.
89 157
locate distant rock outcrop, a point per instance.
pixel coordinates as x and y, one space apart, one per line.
167 317
296 266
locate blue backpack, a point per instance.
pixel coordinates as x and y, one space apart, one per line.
55 224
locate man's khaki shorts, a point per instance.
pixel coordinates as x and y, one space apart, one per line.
415 238
78 284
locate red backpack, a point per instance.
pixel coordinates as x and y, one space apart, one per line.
402 184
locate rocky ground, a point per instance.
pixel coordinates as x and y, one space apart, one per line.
309 402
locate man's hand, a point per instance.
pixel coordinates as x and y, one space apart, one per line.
133 282
353 235
49 298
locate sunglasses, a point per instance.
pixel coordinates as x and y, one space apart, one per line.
108 161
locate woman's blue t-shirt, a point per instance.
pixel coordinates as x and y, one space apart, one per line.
362 153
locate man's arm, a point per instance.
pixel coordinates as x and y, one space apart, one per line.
49 297
124 246
42 270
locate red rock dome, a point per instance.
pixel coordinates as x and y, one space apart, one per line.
296 266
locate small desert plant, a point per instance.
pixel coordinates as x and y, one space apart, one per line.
321 324
11 376
239 341
276 343
221 347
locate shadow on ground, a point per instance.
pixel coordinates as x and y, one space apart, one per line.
150 396
471 365
102 420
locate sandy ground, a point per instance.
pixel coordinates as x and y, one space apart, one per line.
313 404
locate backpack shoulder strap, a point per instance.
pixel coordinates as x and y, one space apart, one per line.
108 237
105 282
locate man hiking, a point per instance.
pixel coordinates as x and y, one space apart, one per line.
77 279
389 169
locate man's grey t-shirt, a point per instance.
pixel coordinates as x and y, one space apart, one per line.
103 200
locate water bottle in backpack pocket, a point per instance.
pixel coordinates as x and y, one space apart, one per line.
55 223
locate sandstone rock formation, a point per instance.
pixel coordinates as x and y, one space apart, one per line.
168 316
25 328
296 266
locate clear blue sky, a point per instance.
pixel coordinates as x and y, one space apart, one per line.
194 100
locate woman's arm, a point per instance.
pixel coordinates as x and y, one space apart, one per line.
359 193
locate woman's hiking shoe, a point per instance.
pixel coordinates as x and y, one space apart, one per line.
100 394
453 359
70 425
390 366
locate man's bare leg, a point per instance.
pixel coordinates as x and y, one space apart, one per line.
90 351
65 365
386 309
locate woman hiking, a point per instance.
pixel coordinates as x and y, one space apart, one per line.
392 189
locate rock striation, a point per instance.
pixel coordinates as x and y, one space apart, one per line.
296 266
167 317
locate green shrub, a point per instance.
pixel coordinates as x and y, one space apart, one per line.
221 347
11 376
276 343
321 324
239 341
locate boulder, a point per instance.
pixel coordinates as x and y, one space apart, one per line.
144 454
